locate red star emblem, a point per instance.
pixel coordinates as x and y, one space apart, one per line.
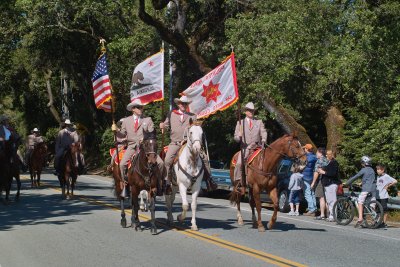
151 63
211 92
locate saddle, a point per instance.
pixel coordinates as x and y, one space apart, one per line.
121 153
165 149
249 159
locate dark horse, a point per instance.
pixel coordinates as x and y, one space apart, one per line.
36 162
5 168
261 175
142 175
69 169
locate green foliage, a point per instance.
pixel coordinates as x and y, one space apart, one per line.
107 142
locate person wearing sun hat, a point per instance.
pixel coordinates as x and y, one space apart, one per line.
251 133
64 139
308 174
32 139
133 127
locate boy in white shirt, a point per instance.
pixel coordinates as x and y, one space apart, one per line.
384 181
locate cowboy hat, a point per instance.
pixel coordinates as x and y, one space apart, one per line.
35 130
249 106
183 99
67 122
133 104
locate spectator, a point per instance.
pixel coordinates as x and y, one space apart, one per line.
308 172
383 183
330 181
316 183
295 187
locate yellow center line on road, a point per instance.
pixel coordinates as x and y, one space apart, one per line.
266 257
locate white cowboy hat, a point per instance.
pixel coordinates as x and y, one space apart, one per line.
134 103
67 122
183 100
35 130
250 106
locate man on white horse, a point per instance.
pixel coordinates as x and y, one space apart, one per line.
132 127
178 122
252 135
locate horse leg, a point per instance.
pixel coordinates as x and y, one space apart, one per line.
18 187
257 200
153 228
252 206
135 209
73 181
195 193
169 201
31 174
38 178
185 204
123 217
274 197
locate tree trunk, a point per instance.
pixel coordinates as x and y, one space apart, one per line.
334 124
287 122
53 110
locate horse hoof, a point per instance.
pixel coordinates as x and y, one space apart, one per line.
240 222
269 226
123 223
261 229
194 228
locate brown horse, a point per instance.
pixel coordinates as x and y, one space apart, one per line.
69 169
5 168
142 175
261 175
37 161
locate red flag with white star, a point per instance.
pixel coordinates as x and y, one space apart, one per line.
148 79
215 91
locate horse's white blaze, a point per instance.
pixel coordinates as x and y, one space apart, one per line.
191 162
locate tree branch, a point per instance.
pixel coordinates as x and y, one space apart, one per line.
92 35
53 110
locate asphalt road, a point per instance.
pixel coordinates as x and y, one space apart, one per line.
44 230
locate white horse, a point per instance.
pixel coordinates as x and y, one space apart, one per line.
189 171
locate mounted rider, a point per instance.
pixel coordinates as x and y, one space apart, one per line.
177 122
133 127
252 135
8 133
120 142
31 141
65 138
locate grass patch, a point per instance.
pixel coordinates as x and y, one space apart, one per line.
394 215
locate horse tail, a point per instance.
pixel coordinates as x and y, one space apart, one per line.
234 197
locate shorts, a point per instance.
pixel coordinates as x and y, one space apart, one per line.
319 189
363 196
294 196
384 203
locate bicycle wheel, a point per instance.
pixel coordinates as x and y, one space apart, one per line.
343 211
373 214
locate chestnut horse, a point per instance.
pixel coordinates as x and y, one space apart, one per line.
142 175
36 162
261 175
69 169
5 168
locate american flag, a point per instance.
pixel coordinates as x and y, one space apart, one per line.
102 85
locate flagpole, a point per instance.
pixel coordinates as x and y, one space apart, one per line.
103 51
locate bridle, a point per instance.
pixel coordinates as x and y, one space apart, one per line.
149 167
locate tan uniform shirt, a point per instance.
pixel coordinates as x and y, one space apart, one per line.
32 140
65 138
252 136
177 122
128 128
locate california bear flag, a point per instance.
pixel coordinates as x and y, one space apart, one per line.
148 79
215 91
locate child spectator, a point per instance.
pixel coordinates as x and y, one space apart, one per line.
316 183
384 181
295 187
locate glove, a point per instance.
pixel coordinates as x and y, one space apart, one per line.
114 127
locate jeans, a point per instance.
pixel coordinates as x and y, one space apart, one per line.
309 195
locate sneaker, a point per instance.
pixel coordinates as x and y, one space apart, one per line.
291 213
358 224
319 218
309 213
296 213
330 220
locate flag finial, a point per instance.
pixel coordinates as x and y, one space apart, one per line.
103 46
232 47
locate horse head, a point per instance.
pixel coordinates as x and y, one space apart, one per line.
42 148
294 150
149 146
195 136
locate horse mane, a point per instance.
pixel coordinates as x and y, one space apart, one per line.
150 135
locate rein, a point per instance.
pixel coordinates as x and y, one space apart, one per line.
136 168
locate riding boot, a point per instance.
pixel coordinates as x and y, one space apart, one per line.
211 185
167 186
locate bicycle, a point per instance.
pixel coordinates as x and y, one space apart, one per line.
345 207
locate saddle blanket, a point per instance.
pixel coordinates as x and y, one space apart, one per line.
120 156
249 159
